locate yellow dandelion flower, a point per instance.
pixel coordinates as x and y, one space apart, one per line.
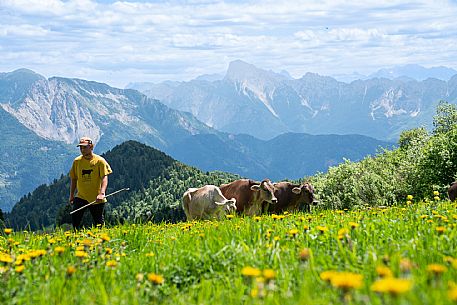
322 229
59 250
86 242
155 278
81 254
452 294
111 264
440 230
346 280
353 225
343 231
269 274
409 202
257 218
436 193
19 269
105 237
71 270
423 216
384 271
305 227
108 251
8 231
437 198
51 241
250 272
409 197
392 286
6 258
229 216
436 268
327 275
293 232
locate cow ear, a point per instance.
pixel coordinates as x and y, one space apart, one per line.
296 190
255 187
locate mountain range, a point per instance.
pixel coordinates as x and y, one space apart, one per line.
265 104
42 119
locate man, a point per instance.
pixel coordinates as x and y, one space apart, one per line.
89 175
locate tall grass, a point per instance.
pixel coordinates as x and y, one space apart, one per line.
275 259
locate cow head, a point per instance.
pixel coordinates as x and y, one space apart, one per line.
229 204
306 192
266 191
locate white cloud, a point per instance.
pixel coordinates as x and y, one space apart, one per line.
120 41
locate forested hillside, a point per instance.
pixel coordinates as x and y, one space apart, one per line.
135 165
424 162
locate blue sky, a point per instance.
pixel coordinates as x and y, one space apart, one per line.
118 42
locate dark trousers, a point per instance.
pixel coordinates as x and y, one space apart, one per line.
96 210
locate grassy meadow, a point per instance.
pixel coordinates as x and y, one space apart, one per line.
397 255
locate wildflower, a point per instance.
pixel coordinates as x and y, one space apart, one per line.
384 271
108 251
8 231
305 227
5 258
155 278
257 218
322 229
304 254
19 269
51 241
437 198
293 232
423 216
229 216
327 275
409 197
150 254
81 254
436 193
346 280
105 237
409 202
139 277
250 272
269 274
342 232
111 264
391 285
353 225
452 294
70 270
59 250
436 269
440 230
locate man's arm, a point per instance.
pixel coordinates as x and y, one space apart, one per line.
72 190
101 194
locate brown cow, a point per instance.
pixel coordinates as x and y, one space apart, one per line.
452 191
249 195
291 197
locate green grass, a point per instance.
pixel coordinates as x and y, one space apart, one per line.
202 262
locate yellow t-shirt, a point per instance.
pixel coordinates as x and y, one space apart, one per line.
88 175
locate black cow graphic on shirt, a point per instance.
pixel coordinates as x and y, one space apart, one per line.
86 174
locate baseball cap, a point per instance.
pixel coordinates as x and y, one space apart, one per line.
84 141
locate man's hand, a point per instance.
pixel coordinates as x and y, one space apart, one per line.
72 197
100 197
